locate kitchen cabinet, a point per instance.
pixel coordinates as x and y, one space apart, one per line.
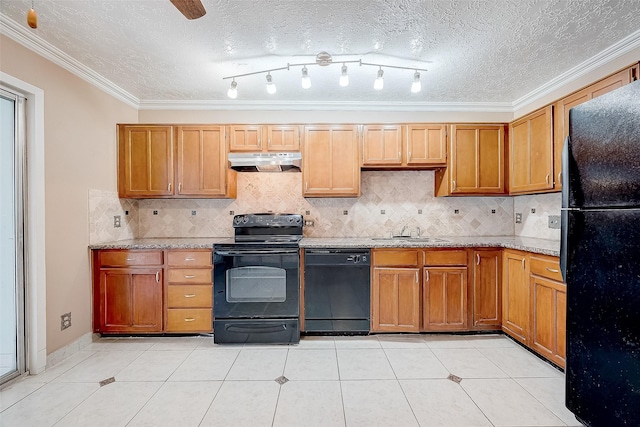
531 153
202 164
562 107
426 145
382 146
128 291
548 309
331 161
515 295
152 165
486 294
476 161
395 291
264 138
444 292
189 291
145 161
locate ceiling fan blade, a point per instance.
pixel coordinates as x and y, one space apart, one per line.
191 9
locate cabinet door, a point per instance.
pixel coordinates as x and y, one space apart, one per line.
477 159
382 145
444 299
282 137
515 295
131 300
531 153
486 293
245 138
548 310
562 107
396 300
145 161
331 166
426 145
202 169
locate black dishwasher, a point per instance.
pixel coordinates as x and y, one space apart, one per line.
337 291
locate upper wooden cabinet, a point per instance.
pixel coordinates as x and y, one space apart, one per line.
382 145
145 161
151 165
331 161
476 161
426 145
201 162
531 152
562 107
258 138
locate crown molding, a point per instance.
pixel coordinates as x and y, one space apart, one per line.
30 40
611 53
491 107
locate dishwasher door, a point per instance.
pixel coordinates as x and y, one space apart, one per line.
337 291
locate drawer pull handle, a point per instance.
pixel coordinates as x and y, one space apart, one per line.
560 178
546 179
169 188
477 259
189 295
454 185
157 277
179 187
523 263
189 319
553 270
190 277
426 277
130 259
189 259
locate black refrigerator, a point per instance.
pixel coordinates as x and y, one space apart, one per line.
600 258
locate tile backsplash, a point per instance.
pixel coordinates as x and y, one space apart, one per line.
390 200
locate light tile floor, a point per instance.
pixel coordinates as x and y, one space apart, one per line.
384 380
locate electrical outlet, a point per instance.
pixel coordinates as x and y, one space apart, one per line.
518 217
554 221
117 221
309 223
65 321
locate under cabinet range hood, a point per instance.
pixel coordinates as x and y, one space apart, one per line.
265 162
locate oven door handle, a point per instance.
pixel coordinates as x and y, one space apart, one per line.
256 252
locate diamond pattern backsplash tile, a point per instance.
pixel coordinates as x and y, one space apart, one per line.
390 200
535 211
103 206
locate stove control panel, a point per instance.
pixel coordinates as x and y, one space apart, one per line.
267 220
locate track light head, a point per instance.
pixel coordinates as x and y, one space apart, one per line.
378 84
233 92
344 77
271 87
306 80
416 86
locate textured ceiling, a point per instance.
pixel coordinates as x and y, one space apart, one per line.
475 51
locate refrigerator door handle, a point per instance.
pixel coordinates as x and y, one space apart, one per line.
564 235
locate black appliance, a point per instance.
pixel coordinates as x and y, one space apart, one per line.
336 291
256 281
600 258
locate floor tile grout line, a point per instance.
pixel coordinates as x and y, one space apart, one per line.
24 397
409 403
145 403
474 402
515 379
79 403
275 409
211 403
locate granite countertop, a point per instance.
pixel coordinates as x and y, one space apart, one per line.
541 246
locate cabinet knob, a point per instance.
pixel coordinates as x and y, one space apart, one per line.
190 276
157 277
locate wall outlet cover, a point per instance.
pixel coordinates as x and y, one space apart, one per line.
554 221
65 321
518 217
117 221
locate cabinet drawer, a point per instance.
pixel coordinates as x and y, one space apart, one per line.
382 258
189 275
189 320
189 258
445 258
546 267
124 258
189 296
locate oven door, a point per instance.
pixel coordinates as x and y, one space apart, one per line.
256 283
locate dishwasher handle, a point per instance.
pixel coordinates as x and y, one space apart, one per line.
334 258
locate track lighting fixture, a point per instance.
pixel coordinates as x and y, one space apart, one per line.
271 87
416 86
378 83
324 59
306 80
344 77
233 92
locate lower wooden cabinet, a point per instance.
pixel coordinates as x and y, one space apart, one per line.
548 310
395 297
152 291
486 289
444 299
515 295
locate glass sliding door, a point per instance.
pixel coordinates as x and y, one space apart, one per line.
12 339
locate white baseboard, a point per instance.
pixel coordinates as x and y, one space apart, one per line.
69 349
